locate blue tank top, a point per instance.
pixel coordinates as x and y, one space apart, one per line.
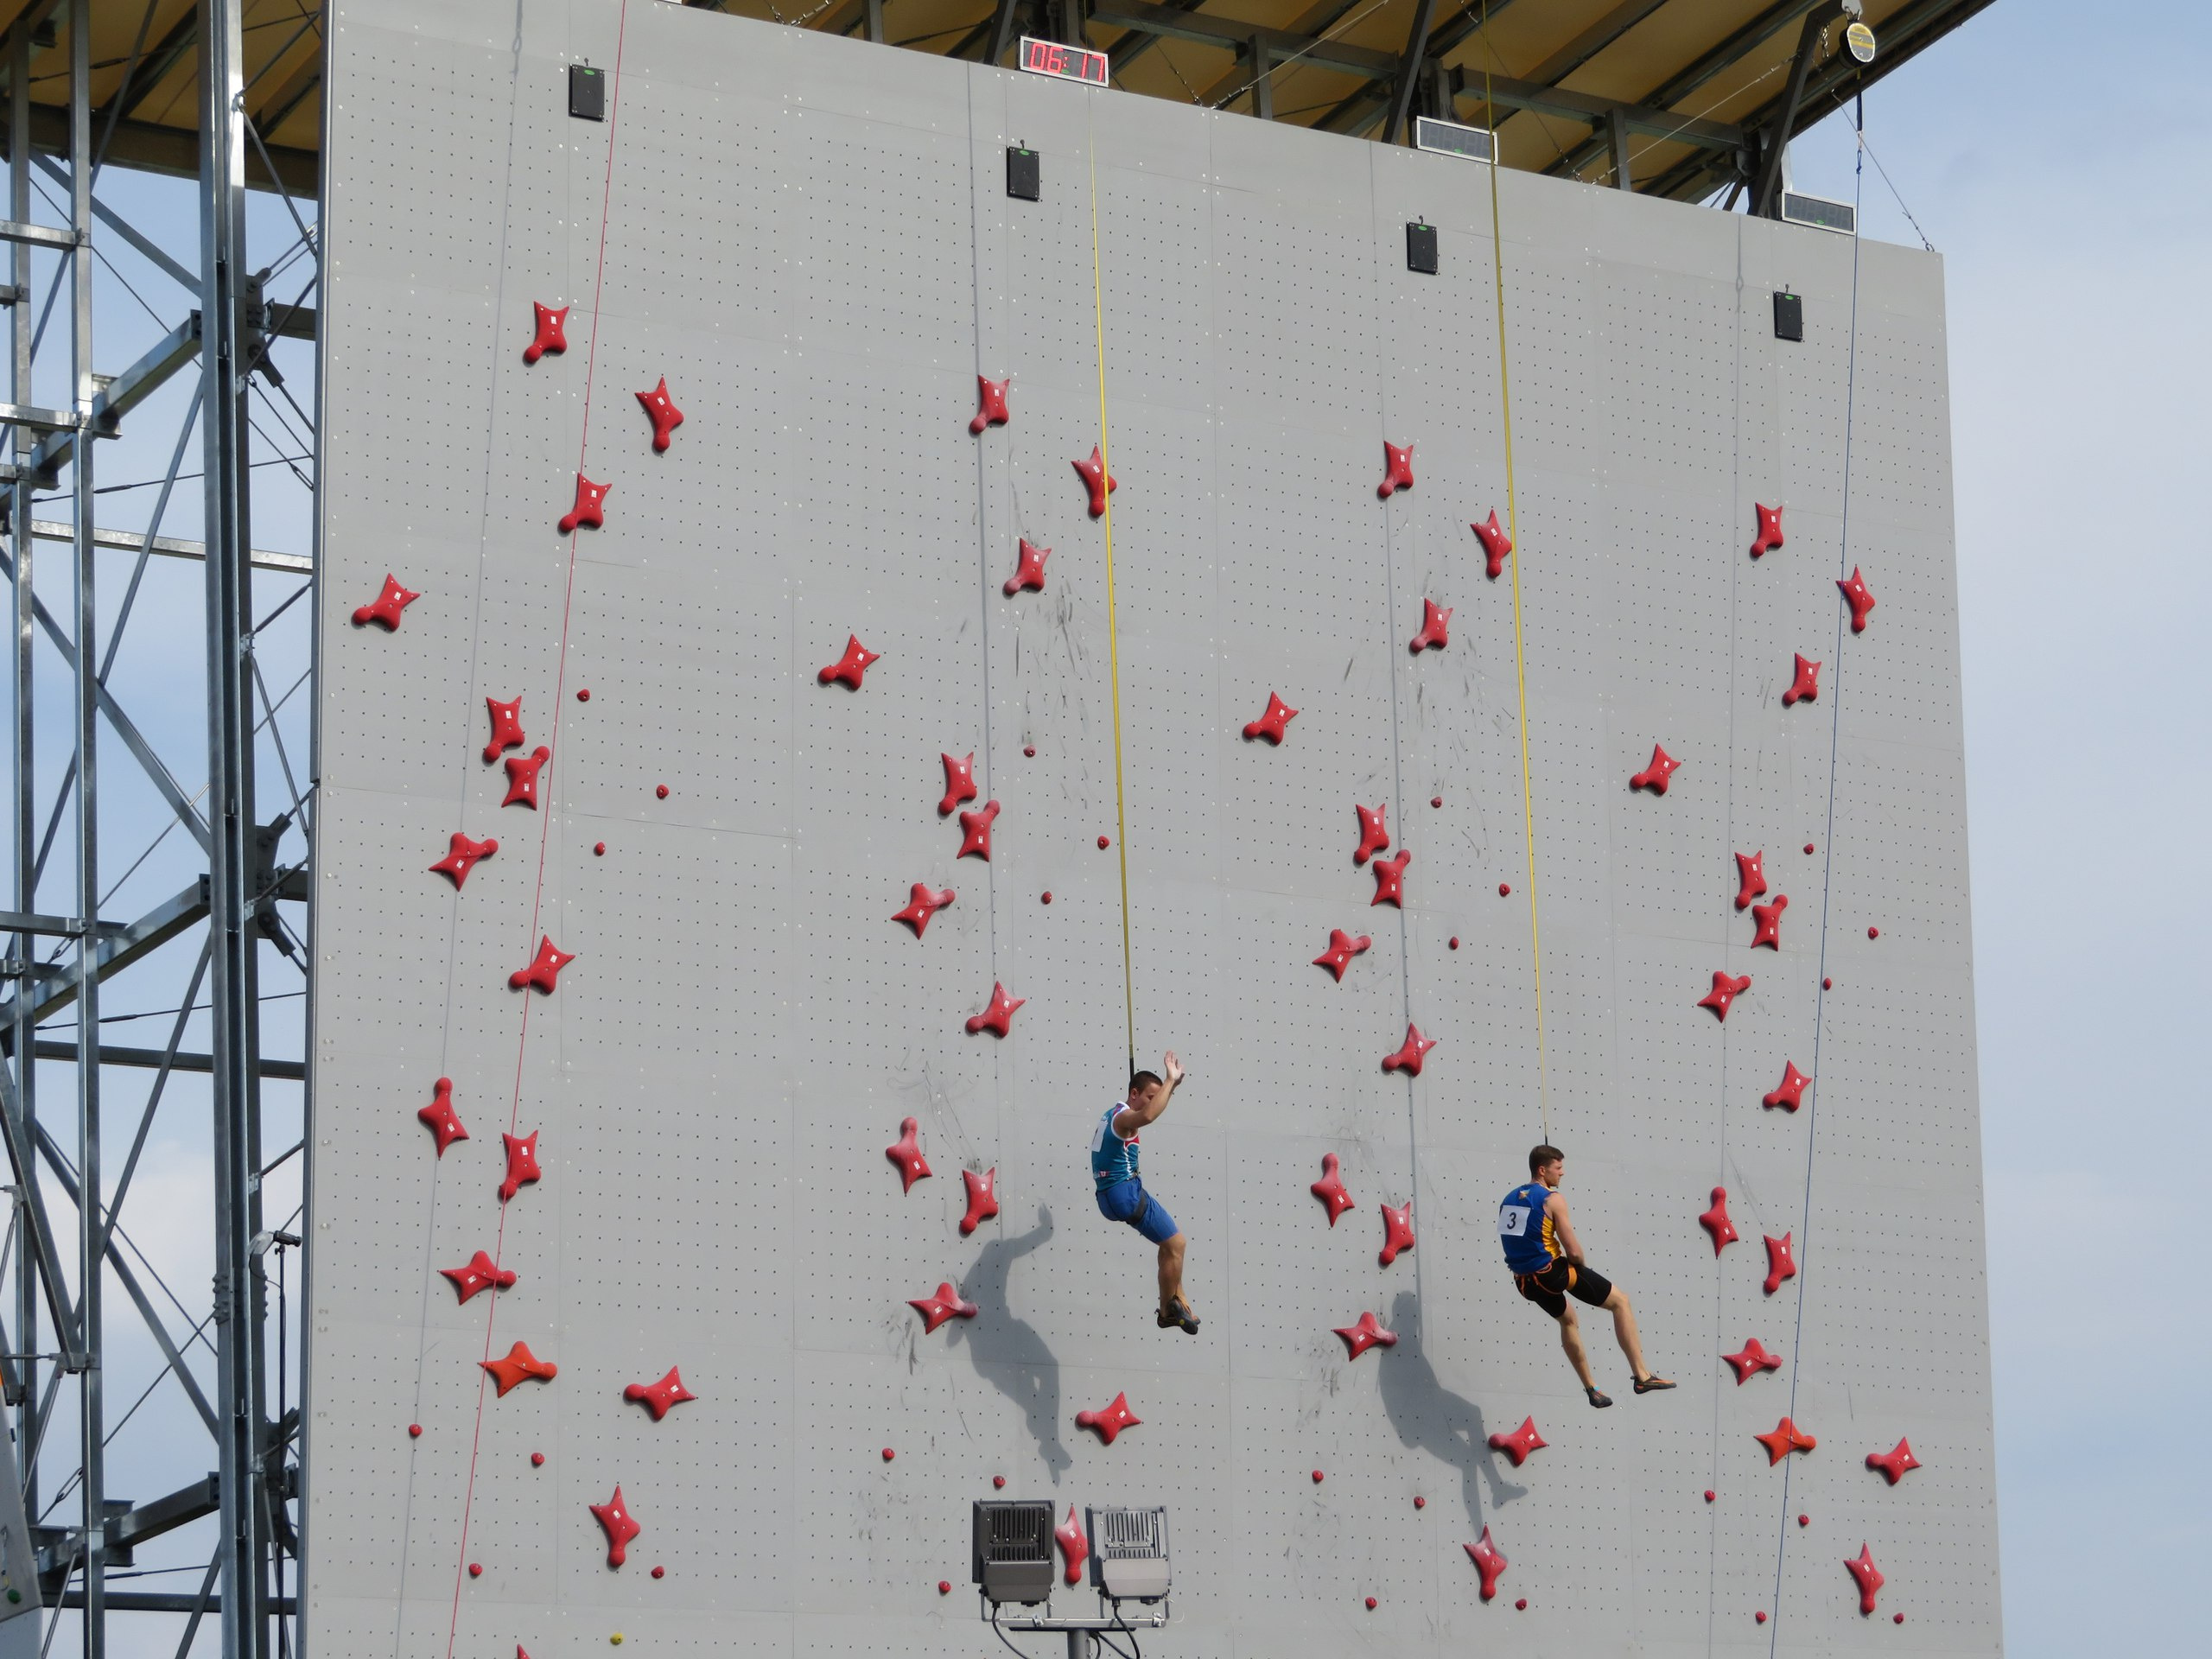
1525 1230
1112 1159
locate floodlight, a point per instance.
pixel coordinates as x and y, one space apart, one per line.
1128 1553
1013 1550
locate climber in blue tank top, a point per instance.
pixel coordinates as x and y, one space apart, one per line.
1545 1260
1121 1196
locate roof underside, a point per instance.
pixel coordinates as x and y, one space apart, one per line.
1683 90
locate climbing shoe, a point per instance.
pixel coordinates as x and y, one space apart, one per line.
1181 1315
1651 1384
1600 1401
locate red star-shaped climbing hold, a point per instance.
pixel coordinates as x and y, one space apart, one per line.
1095 481
1725 991
1435 628
1488 1561
1496 545
620 1525
922 903
440 1120
991 394
386 606
552 335
1786 1438
1409 1059
1398 470
906 1153
591 500
982 1199
1390 880
522 1163
1075 1548
1859 597
521 777
1330 1189
1366 1334
1867 1576
945 1305
1751 877
975 831
1769 536
661 409
1715 1221
659 1397
1790 1093
1112 1420
1374 835
848 668
1753 1359
1767 923
506 728
1273 724
1895 1463
998 1018
1343 947
959 782
480 1274
1656 776
1030 571
1806 688
1398 1225
1520 1443
461 856
520 1365
1779 1266
544 970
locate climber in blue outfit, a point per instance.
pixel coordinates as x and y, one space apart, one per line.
1546 1259
1121 1196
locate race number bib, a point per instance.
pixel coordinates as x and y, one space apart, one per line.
1513 1220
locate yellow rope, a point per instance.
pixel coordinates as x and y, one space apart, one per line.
1113 637
1513 534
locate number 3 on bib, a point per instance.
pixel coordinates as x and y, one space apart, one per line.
1513 1220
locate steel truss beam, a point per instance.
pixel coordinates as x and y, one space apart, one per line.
62 953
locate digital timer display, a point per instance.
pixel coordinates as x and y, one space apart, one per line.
1068 62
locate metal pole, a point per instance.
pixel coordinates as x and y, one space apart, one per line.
231 821
92 1241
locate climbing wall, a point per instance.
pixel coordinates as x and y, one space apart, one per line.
719 926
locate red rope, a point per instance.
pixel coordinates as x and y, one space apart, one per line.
545 825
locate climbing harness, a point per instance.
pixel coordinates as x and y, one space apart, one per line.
1113 637
1520 669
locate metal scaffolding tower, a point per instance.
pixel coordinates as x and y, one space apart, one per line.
134 898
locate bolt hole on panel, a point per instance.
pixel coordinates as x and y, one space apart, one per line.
1085 608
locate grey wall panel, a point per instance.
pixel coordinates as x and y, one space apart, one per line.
810 240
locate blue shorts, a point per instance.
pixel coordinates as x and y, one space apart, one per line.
1128 1201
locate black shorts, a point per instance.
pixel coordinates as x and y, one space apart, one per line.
1550 1288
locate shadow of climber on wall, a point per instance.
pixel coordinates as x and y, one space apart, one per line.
1005 1350
1430 1416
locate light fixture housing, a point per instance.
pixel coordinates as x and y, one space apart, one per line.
1128 1553
1013 1554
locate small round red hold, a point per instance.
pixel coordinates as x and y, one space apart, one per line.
1104 842
999 1481
1808 847
1316 1476
1828 984
1505 889
413 1431
661 790
1032 754
1897 1619
1420 1502
1760 1617
1371 1603
660 1571
583 694
1708 1495
1048 896
1521 1606
1453 942
599 850
1804 1519
889 1455
537 1459
945 1586
1873 932
476 1569
1436 800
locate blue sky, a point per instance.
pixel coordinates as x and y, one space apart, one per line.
2048 153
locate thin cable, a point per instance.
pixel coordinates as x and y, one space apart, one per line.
1002 1636
1827 872
1520 669
544 830
1113 636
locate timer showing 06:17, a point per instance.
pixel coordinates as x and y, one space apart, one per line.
1067 62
